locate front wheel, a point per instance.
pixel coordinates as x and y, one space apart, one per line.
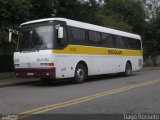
80 74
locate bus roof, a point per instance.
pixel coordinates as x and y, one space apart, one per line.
87 26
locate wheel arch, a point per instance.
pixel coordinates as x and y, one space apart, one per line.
84 64
128 61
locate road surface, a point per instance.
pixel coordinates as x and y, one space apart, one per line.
111 94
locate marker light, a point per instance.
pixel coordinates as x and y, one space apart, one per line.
51 64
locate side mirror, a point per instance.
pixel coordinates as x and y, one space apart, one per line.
60 32
10 34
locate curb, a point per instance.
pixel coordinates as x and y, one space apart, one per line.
7 75
150 68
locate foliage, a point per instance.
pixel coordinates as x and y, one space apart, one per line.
131 11
152 38
91 11
118 14
127 15
12 13
41 9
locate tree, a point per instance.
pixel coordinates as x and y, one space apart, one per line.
42 9
152 38
12 13
90 11
130 11
67 8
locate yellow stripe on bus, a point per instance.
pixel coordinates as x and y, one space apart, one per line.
89 50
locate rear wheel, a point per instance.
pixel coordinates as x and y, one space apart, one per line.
80 74
128 69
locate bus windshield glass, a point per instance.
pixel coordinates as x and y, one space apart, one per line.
36 38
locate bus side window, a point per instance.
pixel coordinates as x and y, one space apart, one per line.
137 44
94 38
125 42
119 42
77 36
69 34
107 40
131 43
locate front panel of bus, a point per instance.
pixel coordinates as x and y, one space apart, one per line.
34 57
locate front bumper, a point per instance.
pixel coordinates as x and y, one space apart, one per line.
35 72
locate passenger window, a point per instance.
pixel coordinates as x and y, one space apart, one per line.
137 44
119 42
78 35
94 38
107 40
125 39
131 43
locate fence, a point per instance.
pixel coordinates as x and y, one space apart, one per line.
149 61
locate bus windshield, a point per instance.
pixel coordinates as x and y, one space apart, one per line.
35 38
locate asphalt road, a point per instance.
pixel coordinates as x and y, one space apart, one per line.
137 94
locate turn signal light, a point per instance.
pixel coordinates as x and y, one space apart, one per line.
51 64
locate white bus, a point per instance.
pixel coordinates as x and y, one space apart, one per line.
58 48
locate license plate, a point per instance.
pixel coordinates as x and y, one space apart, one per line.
30 74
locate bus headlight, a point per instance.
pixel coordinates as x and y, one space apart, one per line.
16 65
44 64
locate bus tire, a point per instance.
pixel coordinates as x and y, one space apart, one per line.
128 69
80 73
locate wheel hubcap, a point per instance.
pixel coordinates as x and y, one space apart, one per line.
80 74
